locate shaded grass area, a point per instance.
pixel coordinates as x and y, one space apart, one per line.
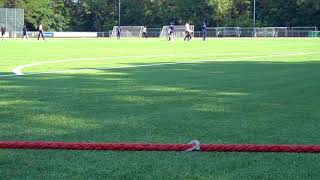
154 165
221 102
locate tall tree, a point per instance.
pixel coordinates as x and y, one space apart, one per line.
50 12
223 10
10 3
102 15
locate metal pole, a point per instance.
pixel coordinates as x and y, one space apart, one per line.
6 18
254 17
22 11
119 13
15 22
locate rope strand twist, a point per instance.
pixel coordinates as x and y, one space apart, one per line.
192 146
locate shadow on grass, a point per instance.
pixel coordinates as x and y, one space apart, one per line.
221 102
224 102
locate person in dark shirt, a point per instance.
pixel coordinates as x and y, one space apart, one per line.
171 31
3 31
204 31
24 32
118 32
41 31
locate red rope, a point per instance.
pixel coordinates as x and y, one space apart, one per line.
160 147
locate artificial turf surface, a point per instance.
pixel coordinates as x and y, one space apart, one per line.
256 91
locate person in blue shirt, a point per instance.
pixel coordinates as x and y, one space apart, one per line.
171 31
204 29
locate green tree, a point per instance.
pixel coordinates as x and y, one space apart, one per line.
50 12
102 15
223 10
10 3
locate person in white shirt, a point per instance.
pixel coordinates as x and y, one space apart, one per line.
41 31
144 32
188 32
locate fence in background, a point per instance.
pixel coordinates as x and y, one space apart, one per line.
260 32
12 19
236 32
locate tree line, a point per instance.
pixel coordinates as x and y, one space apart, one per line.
102 15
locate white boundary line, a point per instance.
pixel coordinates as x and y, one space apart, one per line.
17 70
9 75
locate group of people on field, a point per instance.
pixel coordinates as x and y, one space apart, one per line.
188 31
24 32
171 30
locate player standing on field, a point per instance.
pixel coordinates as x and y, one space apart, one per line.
144 32
171 31
3 31
41 31
118 32
204 31
188 32
24 32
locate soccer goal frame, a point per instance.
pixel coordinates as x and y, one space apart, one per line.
265 32
227 31
128 31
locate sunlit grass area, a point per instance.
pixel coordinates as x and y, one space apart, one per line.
259 91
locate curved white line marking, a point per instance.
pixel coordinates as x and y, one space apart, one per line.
18 69
8 75
135 66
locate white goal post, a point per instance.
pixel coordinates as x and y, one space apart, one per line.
128 31
265 32
179 31
227 31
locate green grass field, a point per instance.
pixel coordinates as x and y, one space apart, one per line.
256 91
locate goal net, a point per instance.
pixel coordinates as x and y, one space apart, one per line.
128 31
282 31
228 31
265 32
179 31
